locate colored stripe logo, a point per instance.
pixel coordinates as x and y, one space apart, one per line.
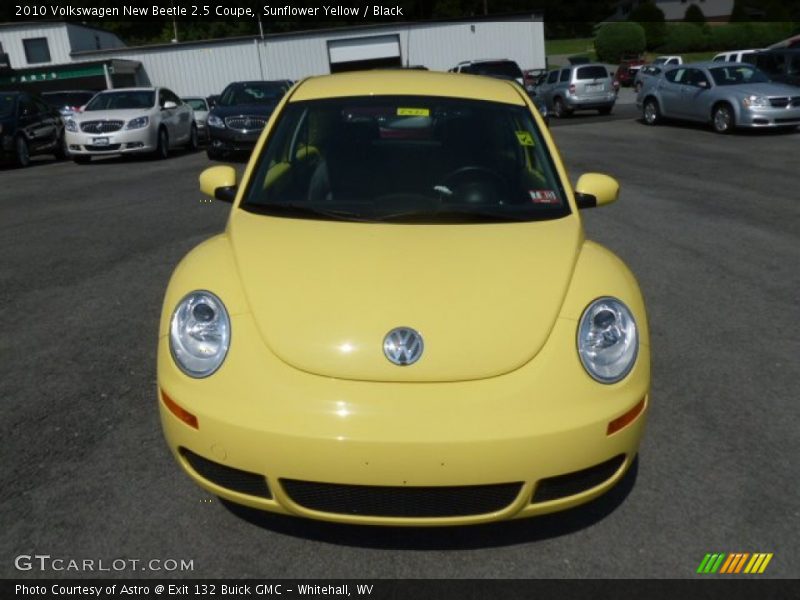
734 563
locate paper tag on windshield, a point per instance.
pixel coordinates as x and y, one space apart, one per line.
525 138
413 112
543 196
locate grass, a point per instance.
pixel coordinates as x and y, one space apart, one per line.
570 47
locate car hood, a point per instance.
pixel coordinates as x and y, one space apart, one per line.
244 109
324 294
765 89
111 115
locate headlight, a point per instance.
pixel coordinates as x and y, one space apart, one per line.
215 121
755 102
607 340
71 125
199 334
138 123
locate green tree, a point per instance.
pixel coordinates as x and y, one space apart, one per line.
616 39
694 14
651 18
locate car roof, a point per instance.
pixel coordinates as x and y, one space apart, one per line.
130 89
67 92
408 83
709 64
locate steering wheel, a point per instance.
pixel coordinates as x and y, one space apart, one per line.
474 185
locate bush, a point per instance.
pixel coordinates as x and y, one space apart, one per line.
651 18
685 37
694 14
740 36
616 39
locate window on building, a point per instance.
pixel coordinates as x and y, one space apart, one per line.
36 50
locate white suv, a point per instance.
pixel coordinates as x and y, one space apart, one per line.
131 121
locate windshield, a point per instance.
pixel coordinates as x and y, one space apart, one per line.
7 104
122 100
406 159
196 103
252 93
738 74
500 68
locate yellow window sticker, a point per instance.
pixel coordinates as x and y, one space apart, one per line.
525 138
413 112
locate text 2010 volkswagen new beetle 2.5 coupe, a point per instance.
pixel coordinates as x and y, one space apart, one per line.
403 323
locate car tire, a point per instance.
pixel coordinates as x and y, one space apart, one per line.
82 159
560 109
22 154
651 113
213 154
162 148
722 119
192 145
61 151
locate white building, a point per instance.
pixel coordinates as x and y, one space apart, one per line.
206 67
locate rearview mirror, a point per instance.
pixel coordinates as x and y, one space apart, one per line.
219 182
595 189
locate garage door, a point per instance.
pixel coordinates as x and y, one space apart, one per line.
354 54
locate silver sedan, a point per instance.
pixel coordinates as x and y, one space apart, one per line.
726 95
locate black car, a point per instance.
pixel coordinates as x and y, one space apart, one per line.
29 126
781 65
68 103
244 108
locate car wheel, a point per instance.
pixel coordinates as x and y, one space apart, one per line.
162 150
560 109
192 144
651 114
82 159
722 119
21 152
61 151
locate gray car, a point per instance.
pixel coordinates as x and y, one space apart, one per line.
646 74
578 87
726 95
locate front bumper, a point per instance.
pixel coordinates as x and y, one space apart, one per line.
133 141
769 117
232 140
290 428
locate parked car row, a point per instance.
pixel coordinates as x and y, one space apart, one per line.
724 94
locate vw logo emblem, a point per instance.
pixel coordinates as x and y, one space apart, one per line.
403 346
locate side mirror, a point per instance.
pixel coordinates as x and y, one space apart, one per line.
169 104
595 189
702 84
219 182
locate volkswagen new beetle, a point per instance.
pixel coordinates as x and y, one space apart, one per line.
402 323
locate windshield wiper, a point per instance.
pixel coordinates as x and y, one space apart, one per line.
451 215
307 212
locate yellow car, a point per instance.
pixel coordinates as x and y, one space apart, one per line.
403 323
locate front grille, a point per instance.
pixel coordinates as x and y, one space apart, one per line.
106 148
101 126
570 484
783 102
408 502
246 123
228 477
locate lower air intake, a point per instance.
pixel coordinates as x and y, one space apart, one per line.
404 502
243 482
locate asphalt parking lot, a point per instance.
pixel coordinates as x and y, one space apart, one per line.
709 224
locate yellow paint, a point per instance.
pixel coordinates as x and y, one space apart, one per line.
498 396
